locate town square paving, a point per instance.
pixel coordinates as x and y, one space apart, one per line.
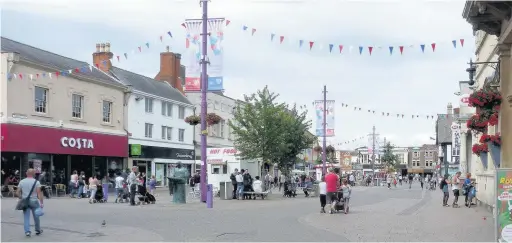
376 214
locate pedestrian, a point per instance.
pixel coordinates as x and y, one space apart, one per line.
322 189
132 184
421 181
93 187
232 177
410 178
152 185
31 200
466 189
389 179
346 190
455 189
81 184
400 180
333 183
444 189
240 184
352 179
73 184
282 180
119 187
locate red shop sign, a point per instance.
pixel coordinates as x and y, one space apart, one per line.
32 139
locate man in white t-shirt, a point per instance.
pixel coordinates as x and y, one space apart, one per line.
352 180
455 189
257 185
322 189
119 186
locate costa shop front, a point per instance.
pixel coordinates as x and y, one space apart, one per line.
58 152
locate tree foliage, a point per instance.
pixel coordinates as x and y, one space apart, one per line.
389 159
271 131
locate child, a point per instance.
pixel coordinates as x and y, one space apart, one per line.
347 190
152 185
322 188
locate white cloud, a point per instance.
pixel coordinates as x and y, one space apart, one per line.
414 83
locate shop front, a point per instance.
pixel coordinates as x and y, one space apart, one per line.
160 161
56 152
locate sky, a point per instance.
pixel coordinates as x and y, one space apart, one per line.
414 83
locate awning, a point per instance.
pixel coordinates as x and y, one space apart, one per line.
416 170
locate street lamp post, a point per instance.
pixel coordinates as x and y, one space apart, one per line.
204 89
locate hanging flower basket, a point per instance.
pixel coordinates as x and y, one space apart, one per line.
330 149
213 119
494 139
477 123
480 148
484 99
193 120
484 158
317 149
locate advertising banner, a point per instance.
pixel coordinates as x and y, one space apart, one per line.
215 54
503 224
455 139
329 118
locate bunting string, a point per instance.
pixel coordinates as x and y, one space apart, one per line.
349 141
389 114
89 68
359 49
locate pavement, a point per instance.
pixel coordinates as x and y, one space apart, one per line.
376 214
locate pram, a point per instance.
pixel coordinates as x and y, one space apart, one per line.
124 196
290 189
144 196
340 203
98 198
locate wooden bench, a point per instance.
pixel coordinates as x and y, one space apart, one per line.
261 194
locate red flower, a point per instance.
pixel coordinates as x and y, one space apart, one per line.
480 148
493 119
484 98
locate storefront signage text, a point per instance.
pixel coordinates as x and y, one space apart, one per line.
181 156
503 205
78 143
223 151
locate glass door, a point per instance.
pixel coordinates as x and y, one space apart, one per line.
160 174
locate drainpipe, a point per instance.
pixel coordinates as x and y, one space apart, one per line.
127 94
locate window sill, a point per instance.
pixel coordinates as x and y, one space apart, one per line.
77 120
107 124
44 115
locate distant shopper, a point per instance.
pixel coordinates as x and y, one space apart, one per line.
232 177
455 189
322 189
446 193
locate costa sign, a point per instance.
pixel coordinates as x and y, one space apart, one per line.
222 151
78 143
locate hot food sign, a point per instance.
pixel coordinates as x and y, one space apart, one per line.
222 152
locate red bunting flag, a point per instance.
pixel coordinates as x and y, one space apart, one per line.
311 43
140 49
281 38
161 38
20 75
370 49
227 22
97 65
77 70
341 48
57 74
37 75
118 58
461 42
253 30
433 47
184 26
401 49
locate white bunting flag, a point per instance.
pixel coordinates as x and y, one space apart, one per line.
50 75
90 68
31 76
70 71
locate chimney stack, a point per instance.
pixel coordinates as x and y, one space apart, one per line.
101 58
449 109
170 68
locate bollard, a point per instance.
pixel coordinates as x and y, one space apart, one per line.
209 196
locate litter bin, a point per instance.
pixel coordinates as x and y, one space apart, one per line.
226 190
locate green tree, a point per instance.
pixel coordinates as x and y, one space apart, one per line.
268 130
389 159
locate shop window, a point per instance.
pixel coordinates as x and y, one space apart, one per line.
107 111
77 106
219 169
41 99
